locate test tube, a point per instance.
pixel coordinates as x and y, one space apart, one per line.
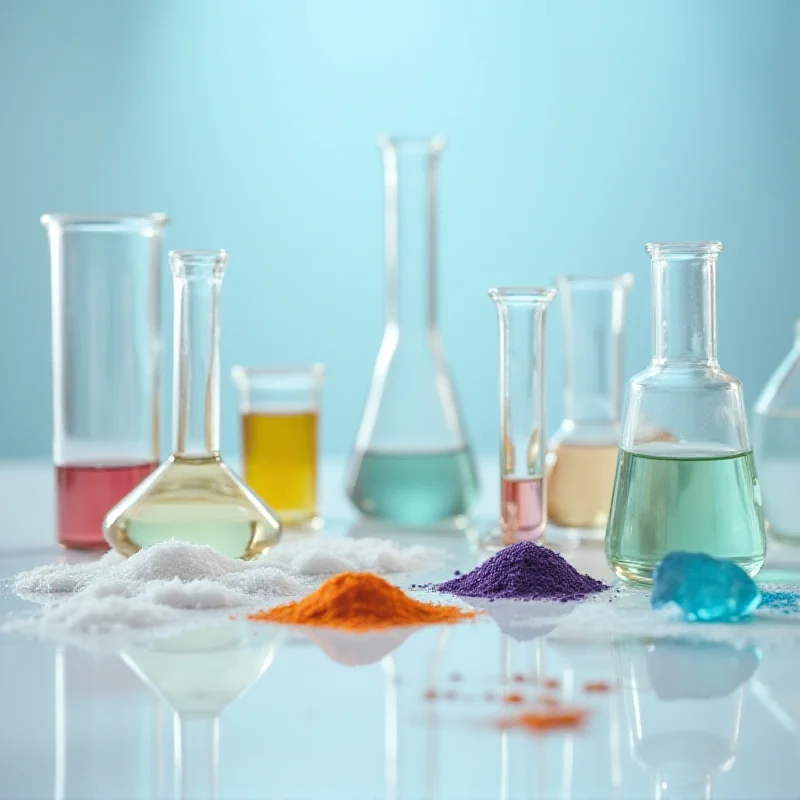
523 508
105 314
279 410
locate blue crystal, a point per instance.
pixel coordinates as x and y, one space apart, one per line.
706 589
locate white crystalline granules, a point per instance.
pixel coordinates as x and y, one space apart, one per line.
158 585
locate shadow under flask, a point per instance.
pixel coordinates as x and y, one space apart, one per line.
582 456
412 464
776 440
194 496
685 479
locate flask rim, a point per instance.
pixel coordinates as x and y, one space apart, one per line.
421 143
103 222
535 294
684 248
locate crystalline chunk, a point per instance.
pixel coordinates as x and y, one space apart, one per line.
706 589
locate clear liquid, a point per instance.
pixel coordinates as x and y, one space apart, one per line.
691 500
777 452
580 486
415 489
522 512
197 500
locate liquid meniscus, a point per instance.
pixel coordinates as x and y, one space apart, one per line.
693 500
280 461
415 488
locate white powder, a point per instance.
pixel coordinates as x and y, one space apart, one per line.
161 584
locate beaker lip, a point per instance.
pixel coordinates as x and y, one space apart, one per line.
316 371
684 248
523 293
434 143
623 278
103 221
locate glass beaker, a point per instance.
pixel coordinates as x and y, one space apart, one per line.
583 451
412 463
105 318
776 444
279 409
523 480
194 496
686 478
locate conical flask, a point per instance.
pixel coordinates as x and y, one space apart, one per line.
776 443
583 451
412 464
686 479
194 496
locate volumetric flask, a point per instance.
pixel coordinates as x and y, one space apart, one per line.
105 317
412 464
194 496
583 451
776 440
279 411
523 482
686 478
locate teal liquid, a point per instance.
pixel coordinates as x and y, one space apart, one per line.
415 489
699 503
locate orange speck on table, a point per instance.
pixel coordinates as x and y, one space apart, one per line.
551 683
513 698
545 720
597 687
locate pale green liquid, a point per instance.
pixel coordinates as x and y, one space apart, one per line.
415 489
698 503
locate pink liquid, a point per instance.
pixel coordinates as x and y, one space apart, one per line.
522 511
85 493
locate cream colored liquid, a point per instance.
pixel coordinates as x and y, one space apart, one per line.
580 485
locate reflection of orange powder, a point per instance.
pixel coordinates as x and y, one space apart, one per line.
513 697
545 720
597 687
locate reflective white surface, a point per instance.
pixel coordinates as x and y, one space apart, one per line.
339 716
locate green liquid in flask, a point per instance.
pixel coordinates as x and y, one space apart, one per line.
692 500
416 488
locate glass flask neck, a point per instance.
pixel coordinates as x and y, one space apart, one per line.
197 277
593 317
684 302
410 183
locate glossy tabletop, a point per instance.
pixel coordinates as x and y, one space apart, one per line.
347 717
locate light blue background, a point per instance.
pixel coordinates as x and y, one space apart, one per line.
578 131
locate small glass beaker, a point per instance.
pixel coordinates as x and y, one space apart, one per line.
194 496
686 479
106 348
583 451
776 444
279 411
523 480
412 464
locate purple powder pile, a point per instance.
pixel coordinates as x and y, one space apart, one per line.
524 571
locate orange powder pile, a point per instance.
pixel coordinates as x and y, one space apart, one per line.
546 719
358 602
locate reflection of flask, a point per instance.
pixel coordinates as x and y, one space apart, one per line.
412 463
584 449
696 489
106 404
776 444
683 704
199 673
194 496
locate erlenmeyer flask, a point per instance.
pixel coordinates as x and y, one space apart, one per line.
412 463
194 496
686 478
583 451
776 444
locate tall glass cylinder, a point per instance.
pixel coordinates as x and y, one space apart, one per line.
412 463
194 496
523 481
105 337
685 478
583 451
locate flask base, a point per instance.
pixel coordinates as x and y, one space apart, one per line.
641 572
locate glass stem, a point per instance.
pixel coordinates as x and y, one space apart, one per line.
195 409
196 742
684 309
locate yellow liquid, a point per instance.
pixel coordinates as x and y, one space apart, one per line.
280 461
580 486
